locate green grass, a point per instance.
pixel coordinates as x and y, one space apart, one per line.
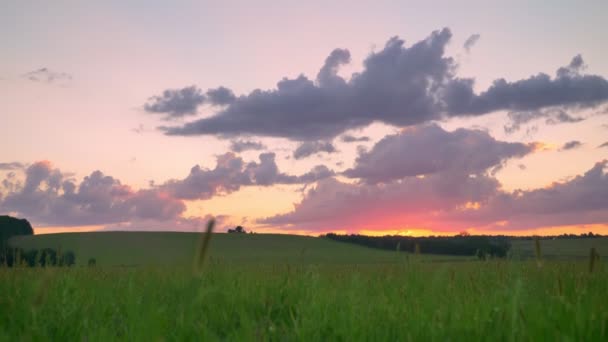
567 249
164 248
286 288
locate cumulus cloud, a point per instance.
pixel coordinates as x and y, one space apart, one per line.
51 197
581 200
569 89
472 40
220 96
398 85
429 150
335 205
448 202
571 145
440 181
232 172
394 87
239 146
309 148
175 103
48 196
347 138
48 76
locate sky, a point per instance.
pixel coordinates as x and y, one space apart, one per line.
374 117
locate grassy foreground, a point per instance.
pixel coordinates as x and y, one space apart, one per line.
317 294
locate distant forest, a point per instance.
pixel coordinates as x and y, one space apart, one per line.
482 246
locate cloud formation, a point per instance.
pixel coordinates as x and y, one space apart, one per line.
400 86
239 146
581 200
426 150
603 145
472 40
428 178
448 202
333 205
49 196
220 96
175 103
571 145
347 138
552 116
232 172
308 148
48 76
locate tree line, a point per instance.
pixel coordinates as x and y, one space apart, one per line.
464 245
11 256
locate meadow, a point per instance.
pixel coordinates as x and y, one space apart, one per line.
284 288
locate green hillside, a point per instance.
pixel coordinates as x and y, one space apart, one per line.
169 248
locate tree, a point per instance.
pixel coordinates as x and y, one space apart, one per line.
11 226
237 230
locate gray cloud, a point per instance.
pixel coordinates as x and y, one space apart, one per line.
328 75
552 116
400 86
231 173
426 150
396 87
574 68
347 138
334 205
448 202
569 89
220 96
176 102
239 146
603 145
47 75
472 40
571 145
51 197
581 200
309 148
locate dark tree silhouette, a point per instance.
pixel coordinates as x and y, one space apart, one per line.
237 230
11 226
9 256
481 246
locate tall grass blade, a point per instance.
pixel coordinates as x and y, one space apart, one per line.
203 247
537 251
593 255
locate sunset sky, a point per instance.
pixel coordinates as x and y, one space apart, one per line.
305 117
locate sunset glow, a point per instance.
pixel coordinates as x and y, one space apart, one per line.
433 126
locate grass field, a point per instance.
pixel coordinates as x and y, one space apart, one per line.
564 249
273 287
162 248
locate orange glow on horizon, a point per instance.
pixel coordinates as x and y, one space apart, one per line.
411 231
55 230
